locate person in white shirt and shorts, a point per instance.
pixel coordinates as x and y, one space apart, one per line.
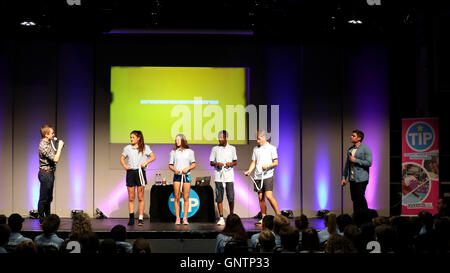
264 160
135 158
223 158
181 162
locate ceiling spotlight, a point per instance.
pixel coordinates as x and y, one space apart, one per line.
355 22
28 23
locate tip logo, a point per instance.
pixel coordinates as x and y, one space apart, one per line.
194 203
420 136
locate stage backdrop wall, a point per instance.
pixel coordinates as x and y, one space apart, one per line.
67 85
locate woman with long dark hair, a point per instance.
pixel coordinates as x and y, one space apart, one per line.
233 230
138 156
182 161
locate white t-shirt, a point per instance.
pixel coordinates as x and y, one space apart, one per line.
264 155
135 159
220 154
181 158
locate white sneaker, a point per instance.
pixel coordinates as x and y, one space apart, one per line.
221 222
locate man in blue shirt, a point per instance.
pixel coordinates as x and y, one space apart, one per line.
356 170
15 223
49 238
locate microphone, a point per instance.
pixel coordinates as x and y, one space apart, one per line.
55 143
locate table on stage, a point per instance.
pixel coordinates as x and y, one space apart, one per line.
159 204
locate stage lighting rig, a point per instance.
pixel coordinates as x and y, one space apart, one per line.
99 214
75 212
321 213
34 214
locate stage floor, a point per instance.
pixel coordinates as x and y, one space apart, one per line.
153 230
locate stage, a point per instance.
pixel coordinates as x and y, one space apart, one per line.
153 230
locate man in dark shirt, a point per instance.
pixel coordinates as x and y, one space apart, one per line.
48 158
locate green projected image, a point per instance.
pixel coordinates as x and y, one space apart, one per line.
165 101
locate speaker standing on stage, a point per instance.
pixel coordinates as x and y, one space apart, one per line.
265 159
356 170
48 158
182 161
139 156
223 158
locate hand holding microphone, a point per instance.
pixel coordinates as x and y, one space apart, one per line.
60 143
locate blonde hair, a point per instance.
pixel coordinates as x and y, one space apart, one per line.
45 130
261 133
81 225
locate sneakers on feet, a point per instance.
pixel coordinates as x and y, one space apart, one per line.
140 222
221 222
131 222
185 221
177 222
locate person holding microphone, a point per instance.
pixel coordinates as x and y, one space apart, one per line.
48 158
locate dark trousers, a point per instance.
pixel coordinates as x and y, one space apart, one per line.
357 192
45 194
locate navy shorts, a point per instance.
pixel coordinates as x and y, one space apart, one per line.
177 178
133 178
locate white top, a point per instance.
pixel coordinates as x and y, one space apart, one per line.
220 154
135 159
181 158
264 155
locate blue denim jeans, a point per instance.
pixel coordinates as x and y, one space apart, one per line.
45 194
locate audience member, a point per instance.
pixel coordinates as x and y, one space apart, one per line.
266 240
387 238
339 244
280 222
2 219
442 235
26 248
233 231
108 247
380 220
424 241
367 234
353 233
301 223
405 228
5 231
342 221
141 246
310 241
289 239
119 234
81 224
89 243
443 207
15 223
49 241
330 224
267 224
